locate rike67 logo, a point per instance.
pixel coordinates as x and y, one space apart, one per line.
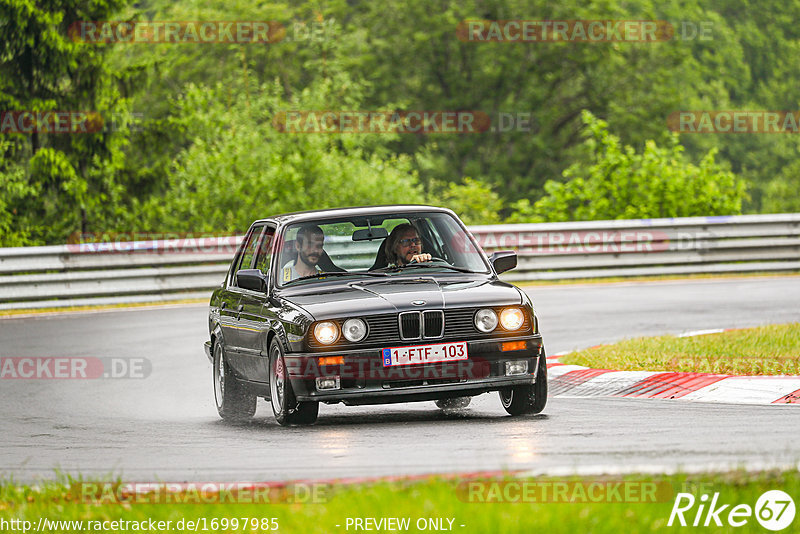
774 510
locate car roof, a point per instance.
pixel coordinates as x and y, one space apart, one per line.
301 216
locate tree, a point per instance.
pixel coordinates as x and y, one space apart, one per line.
782 194
240 167
473 201
415 56
69 178
619 183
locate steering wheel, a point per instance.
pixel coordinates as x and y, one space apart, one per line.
433 258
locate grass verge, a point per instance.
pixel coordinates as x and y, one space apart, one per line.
765 350
631 504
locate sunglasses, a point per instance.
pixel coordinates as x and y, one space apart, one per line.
410 241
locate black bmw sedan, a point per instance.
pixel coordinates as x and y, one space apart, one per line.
370 305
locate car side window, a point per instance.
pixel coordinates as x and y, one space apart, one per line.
248 253
264 252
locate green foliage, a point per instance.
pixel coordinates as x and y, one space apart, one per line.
206 155
414 53
619 183
69 181
239 167
522 211
14 188
473 201
782 195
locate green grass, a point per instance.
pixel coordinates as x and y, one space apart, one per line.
766 350
430 498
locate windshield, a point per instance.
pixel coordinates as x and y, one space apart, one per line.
378 245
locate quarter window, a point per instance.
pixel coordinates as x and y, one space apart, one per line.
248 253
264 252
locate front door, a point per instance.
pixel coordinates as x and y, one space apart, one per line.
236 336
253 324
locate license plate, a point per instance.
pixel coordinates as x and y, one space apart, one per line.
440 352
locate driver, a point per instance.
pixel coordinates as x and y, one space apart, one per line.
308 245
404 246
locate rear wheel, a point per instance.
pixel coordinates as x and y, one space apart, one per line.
453 403
528 399
287 409
234 402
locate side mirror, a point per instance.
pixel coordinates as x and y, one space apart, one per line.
252 279
503 260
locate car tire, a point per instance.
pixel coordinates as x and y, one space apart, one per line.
287 410
529 399
234 402
453 403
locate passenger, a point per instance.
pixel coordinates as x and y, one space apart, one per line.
404 246
308 245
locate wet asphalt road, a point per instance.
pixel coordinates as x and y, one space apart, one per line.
165 427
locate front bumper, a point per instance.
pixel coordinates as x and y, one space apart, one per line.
364 380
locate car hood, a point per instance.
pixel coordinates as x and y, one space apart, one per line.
391 296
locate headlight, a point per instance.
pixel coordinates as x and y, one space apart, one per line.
512 318
326 332
486 320
354 329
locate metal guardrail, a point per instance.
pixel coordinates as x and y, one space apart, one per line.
131 271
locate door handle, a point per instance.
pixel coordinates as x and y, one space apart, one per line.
239 310
223 305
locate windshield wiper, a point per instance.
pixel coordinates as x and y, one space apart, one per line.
429 266
334 273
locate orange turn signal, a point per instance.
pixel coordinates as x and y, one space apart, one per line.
330 360
513 345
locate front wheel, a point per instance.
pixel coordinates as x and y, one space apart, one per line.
287 409
234 402
528 399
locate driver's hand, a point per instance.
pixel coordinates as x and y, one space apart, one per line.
417 258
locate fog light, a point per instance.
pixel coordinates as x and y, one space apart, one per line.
518 367
328 382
